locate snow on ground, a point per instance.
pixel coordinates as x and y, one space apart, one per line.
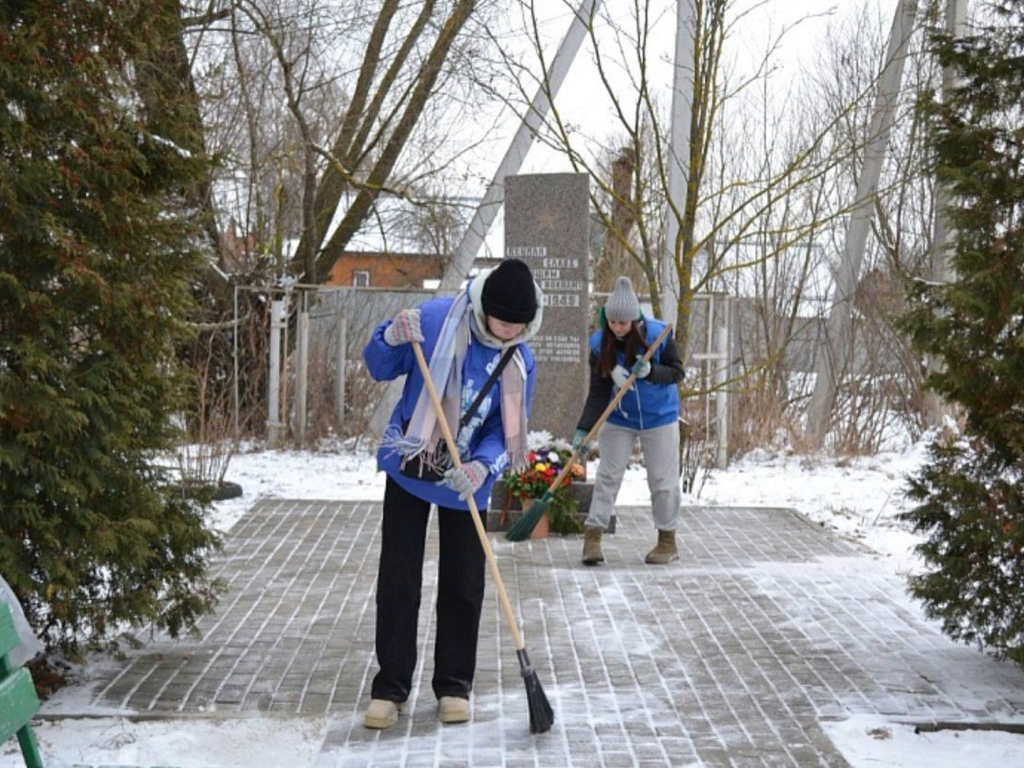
858 498
255 742
867 741
334 473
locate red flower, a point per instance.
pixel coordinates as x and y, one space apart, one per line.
539 474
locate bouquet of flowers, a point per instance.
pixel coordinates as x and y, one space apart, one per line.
544 462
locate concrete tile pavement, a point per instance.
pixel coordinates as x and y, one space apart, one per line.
735 655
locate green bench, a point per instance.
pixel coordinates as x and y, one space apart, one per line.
18 700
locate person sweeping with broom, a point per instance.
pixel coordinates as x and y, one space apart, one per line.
650 412
481 375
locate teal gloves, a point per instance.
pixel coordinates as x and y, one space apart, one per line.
641 368
578 446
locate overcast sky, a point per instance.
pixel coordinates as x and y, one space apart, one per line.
582 100
758 22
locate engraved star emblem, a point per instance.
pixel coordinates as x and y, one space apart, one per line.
549 220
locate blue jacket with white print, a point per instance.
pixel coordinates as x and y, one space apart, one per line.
483 437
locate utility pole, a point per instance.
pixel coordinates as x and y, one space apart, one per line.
941 271
459 265
836 350
955 22
679 156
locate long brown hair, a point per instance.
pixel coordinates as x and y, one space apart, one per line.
636 345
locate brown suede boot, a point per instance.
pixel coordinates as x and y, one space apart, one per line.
592 546
665 551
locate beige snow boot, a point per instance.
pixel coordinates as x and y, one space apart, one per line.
381 713
592 546
665 551
452 709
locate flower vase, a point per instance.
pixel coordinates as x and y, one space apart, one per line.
543 527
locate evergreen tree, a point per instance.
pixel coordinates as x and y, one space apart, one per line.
96 257
970 494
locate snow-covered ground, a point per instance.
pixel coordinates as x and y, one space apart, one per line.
867 741
858 498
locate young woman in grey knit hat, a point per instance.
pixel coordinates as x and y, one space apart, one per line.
650 411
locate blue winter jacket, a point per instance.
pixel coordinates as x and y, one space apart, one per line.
647 404
485 432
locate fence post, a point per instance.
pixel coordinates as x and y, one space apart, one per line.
722 396
302 376
339 379
274 387
234 362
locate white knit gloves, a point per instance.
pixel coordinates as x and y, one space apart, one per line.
620 373
405 327
466 479
619 376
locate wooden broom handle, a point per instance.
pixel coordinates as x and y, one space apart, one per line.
608 410
506 606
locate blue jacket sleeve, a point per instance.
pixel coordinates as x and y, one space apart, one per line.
490 451
383 361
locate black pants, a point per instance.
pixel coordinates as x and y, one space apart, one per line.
399 580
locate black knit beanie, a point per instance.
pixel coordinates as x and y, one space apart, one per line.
508 293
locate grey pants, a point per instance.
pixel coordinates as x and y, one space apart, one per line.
661 457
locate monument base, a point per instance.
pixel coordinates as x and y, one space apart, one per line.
583 490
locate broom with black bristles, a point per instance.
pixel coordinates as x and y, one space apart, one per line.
523 527
542 717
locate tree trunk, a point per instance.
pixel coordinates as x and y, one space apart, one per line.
381 171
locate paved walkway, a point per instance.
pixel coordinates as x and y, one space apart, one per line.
734 656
